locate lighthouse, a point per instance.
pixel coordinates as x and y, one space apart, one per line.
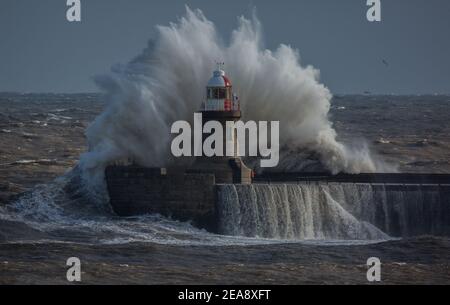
219 94
223 106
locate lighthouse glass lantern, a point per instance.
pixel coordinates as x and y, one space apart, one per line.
219 94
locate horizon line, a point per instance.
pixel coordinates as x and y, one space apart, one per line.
333 94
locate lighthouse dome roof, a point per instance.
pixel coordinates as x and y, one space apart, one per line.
219 79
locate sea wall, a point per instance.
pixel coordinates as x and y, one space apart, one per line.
288 206
392 178
333 210
183 196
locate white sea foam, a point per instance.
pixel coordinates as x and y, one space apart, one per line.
167 83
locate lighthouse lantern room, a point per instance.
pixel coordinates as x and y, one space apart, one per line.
219 94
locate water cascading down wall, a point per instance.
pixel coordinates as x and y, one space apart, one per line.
333 210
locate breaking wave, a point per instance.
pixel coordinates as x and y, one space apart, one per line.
166 83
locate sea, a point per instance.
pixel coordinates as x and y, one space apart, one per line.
302 235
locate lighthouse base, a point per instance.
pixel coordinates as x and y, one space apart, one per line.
225 170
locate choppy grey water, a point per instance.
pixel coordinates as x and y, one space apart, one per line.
283 238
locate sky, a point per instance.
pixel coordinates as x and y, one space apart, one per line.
40 51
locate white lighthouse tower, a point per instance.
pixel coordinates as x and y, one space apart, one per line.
222 105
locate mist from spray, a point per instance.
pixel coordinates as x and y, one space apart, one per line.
167 83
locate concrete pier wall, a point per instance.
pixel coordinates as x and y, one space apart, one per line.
334 210
396 178
288 205
183 196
